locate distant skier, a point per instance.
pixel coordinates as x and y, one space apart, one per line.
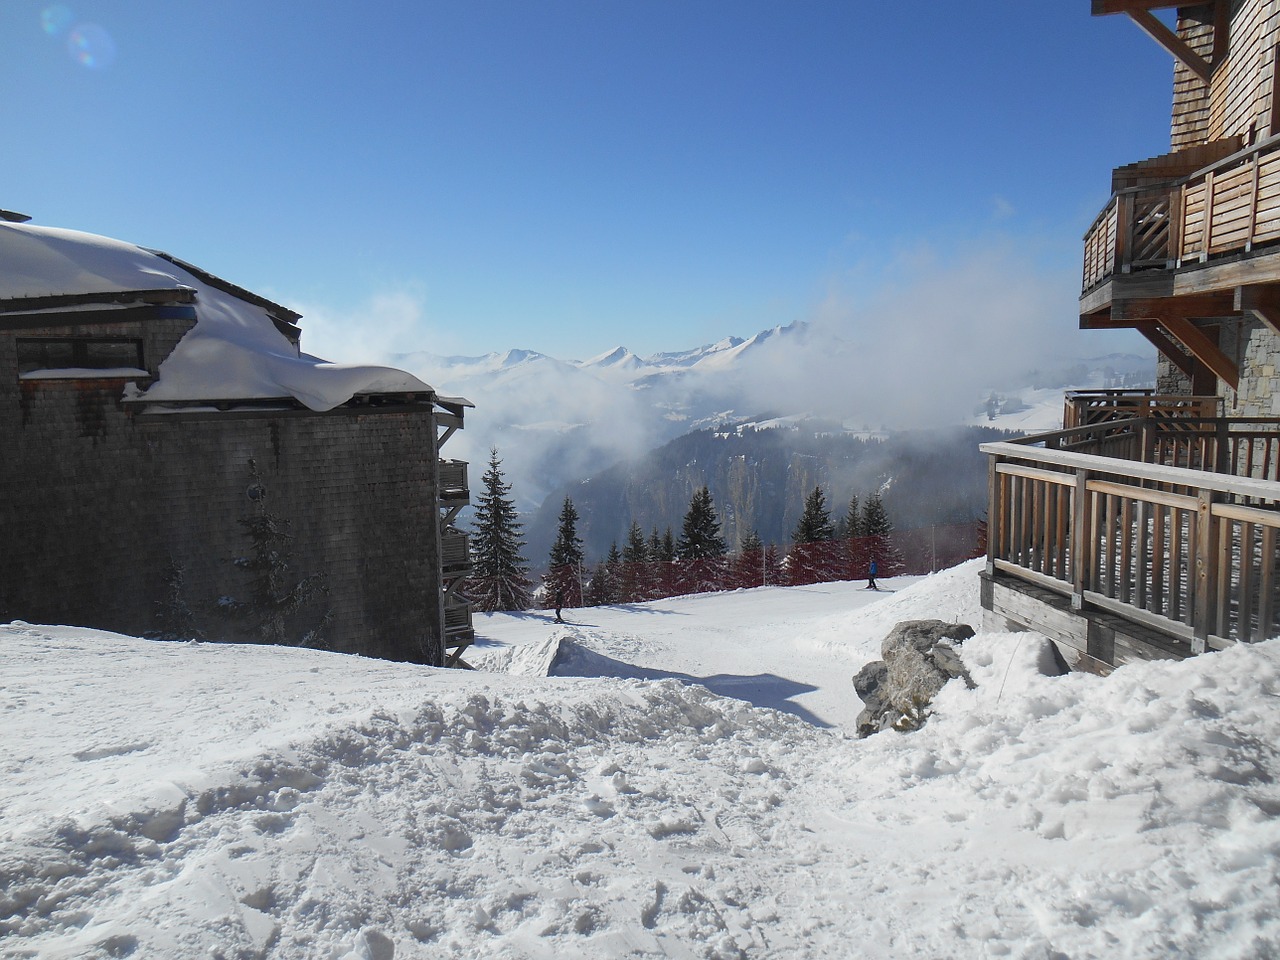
871 577
559 603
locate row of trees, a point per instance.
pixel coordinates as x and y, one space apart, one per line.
660 565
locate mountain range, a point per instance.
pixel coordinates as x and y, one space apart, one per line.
556 422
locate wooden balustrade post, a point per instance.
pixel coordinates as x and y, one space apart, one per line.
1175 228
995 518
1081 539
1222 447
1207 562
1124 232
1207 238
1147 434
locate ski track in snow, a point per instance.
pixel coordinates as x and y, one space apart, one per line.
201 800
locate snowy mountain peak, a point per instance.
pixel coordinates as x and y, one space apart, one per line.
617 358
512 357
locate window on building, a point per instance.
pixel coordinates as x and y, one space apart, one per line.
78 353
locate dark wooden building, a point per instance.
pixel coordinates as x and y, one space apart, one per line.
1148 526
150 410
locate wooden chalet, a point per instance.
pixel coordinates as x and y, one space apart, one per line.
1148 526
121 501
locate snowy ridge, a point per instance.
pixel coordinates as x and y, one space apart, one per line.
259 801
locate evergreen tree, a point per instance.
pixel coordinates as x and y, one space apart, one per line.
613 568
749 567
815 523
700 539
565 562
851 534
877 533
655 545
814 558
598 589
701 549
636 580
772 566
668 546
498 580
851 522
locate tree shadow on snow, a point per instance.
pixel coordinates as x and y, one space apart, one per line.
761 689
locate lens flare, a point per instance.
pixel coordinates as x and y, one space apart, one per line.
56 19
91 46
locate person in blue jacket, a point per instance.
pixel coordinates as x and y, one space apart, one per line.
871 576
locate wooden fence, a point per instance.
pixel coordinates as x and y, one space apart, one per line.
1230 206
1146 519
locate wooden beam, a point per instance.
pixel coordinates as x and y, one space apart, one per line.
1204 349
1162 35
1167 348
1100 8
1221 31
1263 301
1273 118
1161 309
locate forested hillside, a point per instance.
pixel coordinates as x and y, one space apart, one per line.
759 479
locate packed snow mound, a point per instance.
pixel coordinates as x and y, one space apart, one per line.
234 352
202 800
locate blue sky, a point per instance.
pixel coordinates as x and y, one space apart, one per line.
461 176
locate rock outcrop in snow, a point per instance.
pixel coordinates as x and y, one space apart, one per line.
918 660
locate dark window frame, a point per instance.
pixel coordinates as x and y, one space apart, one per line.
86 353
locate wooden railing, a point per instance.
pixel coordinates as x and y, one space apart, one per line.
1084 407
453 479
1111 515
455 552
1228 207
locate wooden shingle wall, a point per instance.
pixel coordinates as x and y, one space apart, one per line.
1239 100
97 502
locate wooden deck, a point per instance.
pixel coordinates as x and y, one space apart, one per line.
1170 525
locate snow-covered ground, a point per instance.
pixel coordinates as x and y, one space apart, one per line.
204 800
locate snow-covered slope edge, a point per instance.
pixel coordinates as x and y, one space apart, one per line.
199 801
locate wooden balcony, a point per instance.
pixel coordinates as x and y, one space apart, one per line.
1230 208
455 554
1085 407
453 483
1137 538
458 633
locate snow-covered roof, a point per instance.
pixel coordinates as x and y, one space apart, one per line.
234 352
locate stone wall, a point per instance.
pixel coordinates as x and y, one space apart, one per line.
1258 348
97 502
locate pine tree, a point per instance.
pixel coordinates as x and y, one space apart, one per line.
813 557
701 549
748 569
564 577
668 546
700 539
851 522
613 568
636 580
851 535
815 523
498 580
877 534
655 545
598 588
772 566
177 620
